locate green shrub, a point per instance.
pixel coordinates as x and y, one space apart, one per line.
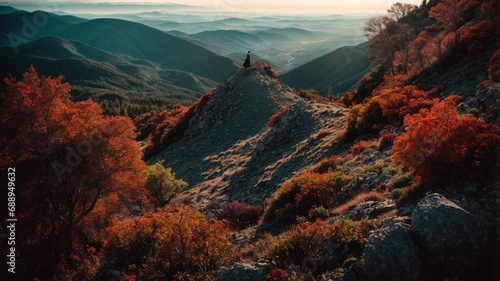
318 213
327 165
301 193
400 181
315 241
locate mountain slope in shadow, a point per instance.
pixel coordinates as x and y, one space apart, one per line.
142 42
341 70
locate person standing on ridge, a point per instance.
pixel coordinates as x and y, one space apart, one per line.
246 64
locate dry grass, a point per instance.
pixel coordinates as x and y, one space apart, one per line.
254 251
358 199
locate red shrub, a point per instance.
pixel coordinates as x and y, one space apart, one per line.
440 144
386 140
495 66
360 146
273 120
277 275
478 37
240 215
327 165
174 125
266 68
169 244
399 102
485 84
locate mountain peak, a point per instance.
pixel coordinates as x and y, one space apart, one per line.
229 149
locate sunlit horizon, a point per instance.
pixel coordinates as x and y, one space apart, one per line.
256 6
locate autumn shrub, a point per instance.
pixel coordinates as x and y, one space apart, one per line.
442 145
365 118
391 102
477 37
495 67
398 102
177 244
366 86
360 146
162 184
240 215
317 213
153 125
386 140
374 168
174 125
277 275
303 192
309 245
400 181
327 165
273 120
266 68
311 95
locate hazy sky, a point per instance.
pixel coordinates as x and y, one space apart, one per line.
277 6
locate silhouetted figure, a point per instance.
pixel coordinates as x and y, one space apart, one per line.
247 61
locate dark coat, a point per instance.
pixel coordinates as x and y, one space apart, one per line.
247 61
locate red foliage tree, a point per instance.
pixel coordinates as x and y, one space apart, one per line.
440 145
67 156
447 14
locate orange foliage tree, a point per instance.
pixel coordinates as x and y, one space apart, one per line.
447 14
67 156
442 145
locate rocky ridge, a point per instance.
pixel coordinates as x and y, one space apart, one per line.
230 150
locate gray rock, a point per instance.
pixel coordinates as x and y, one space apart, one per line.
389 254
371 209
452 235
395 193
244 271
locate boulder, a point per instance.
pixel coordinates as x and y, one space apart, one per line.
451 234
244 271
390 254
371 209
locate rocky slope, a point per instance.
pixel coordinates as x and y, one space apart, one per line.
230 150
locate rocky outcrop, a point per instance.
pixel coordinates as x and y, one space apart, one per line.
390 255
451 234
483 99
244 271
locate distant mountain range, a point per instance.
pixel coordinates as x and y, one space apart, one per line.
339 71
109 59
102 56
